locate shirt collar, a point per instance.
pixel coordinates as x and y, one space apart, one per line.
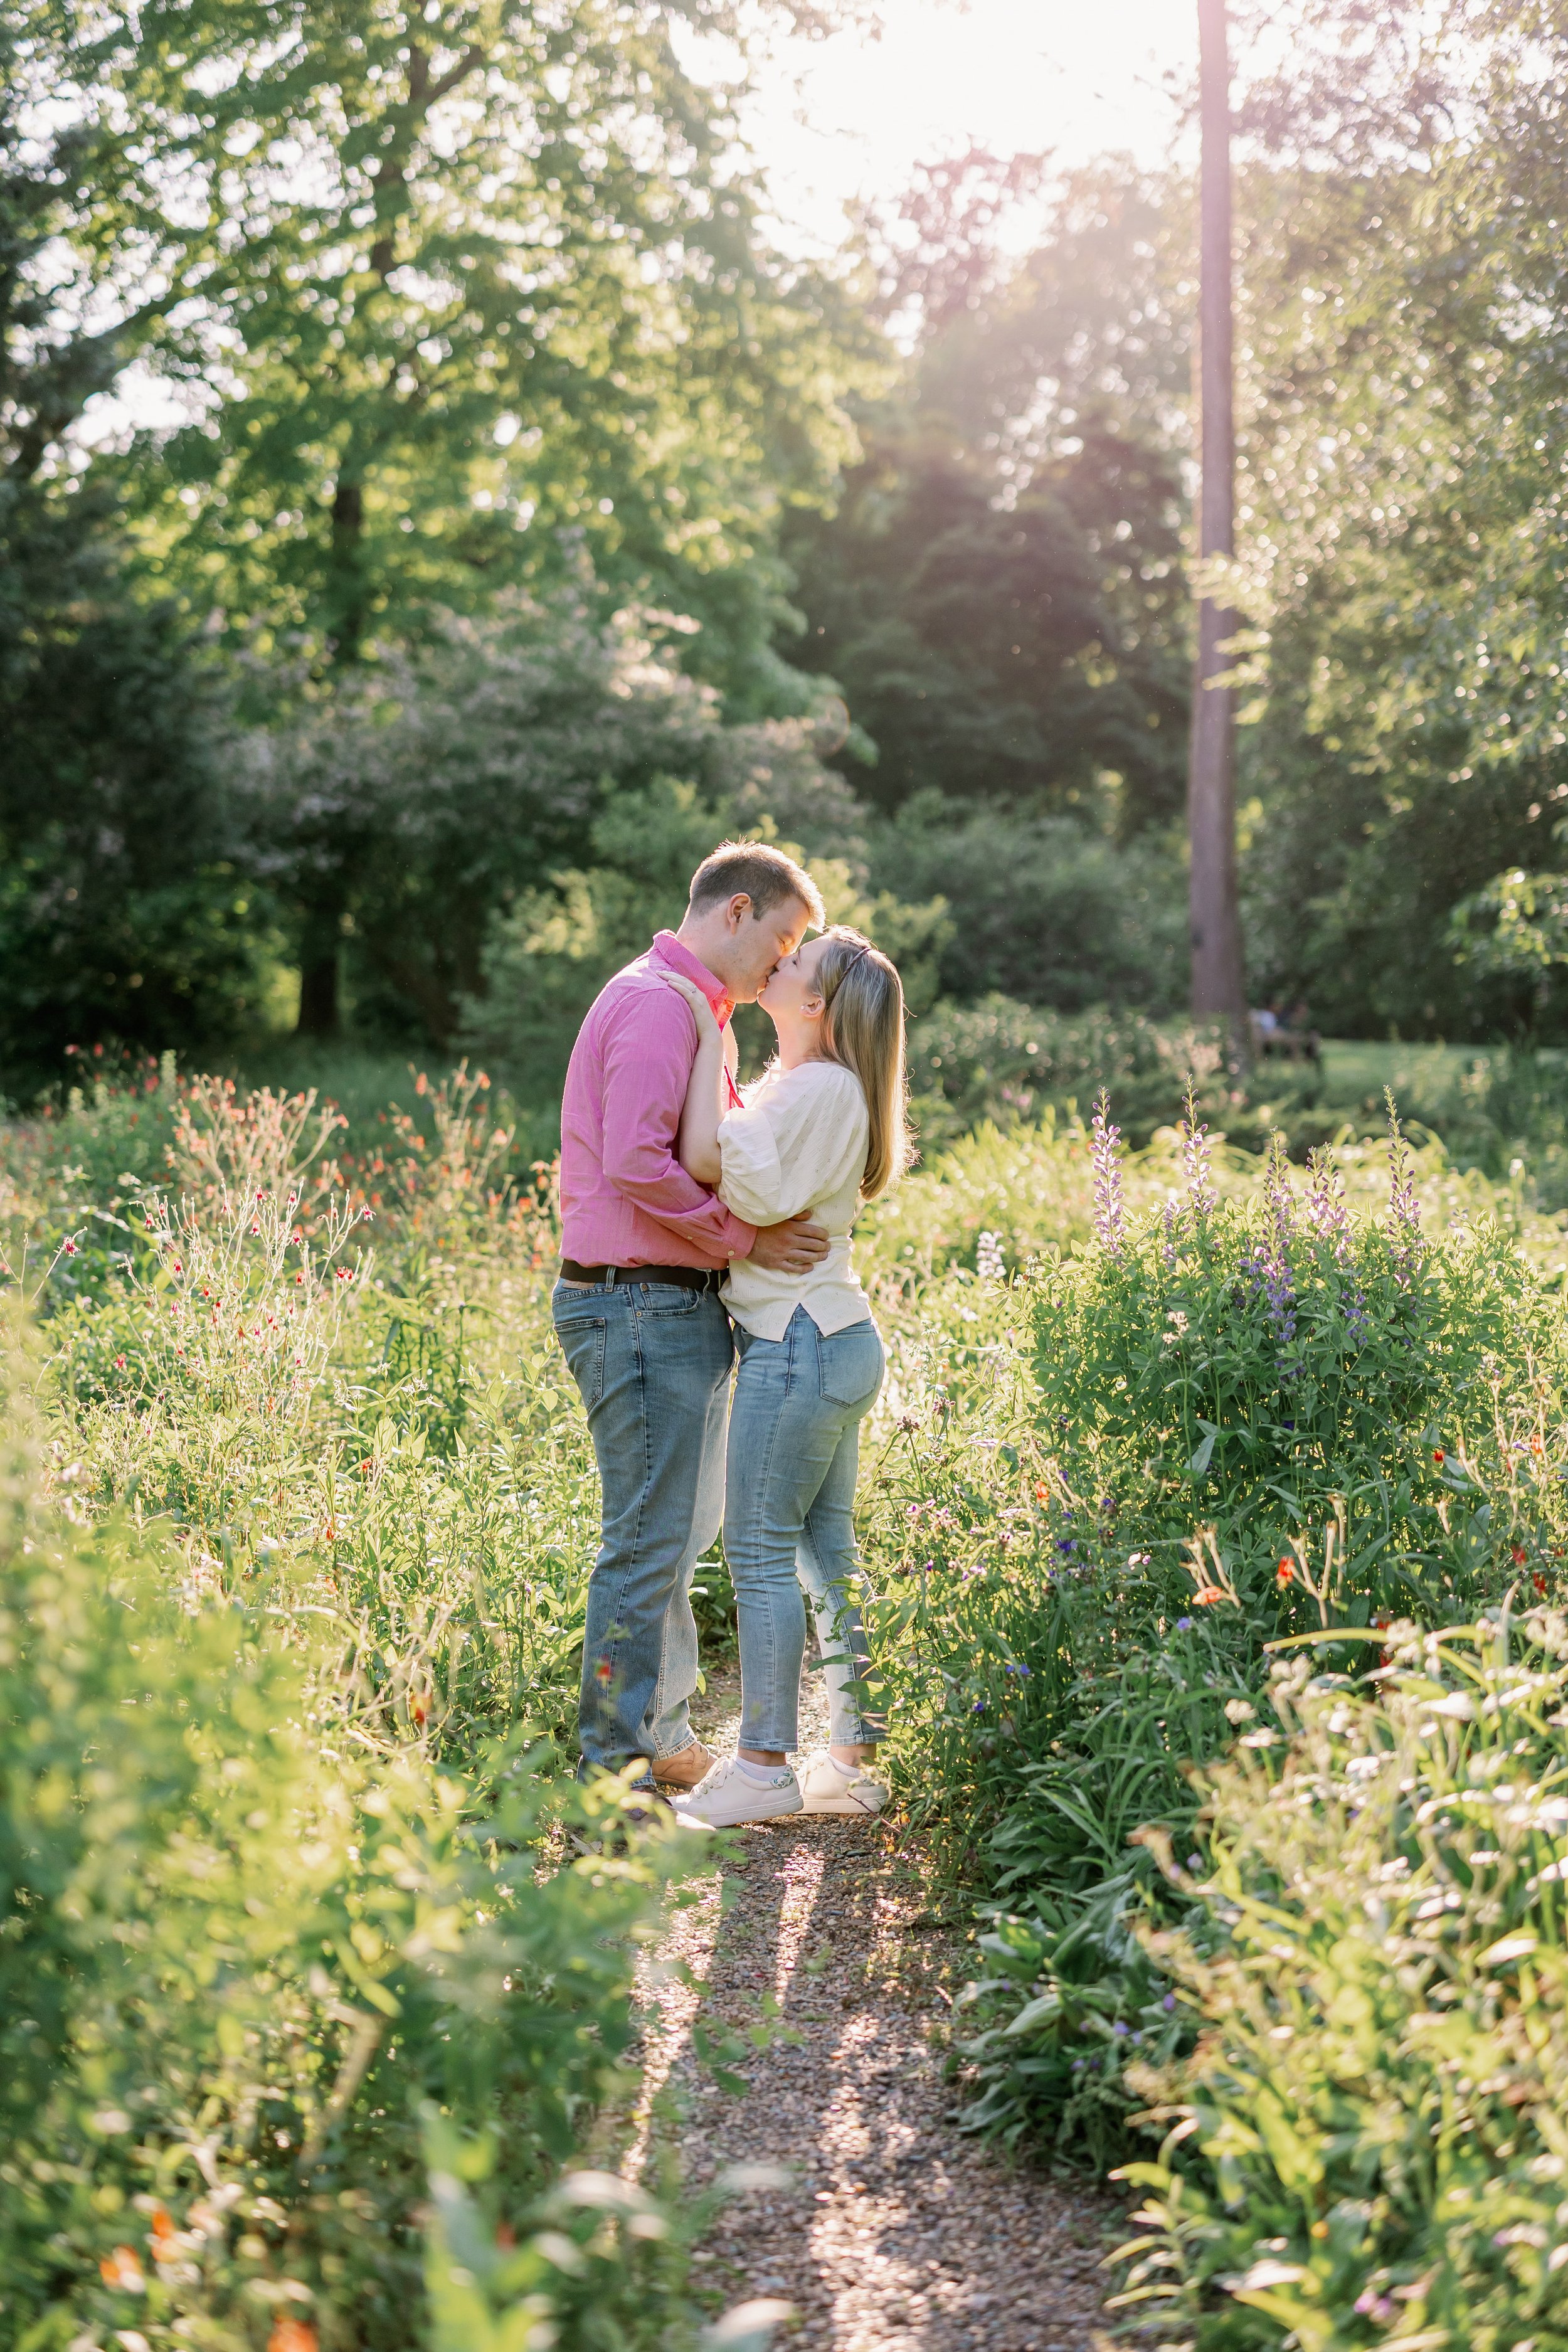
668 949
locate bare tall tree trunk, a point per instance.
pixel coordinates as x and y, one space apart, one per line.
1219 985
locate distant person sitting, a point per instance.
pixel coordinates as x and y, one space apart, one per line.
1286 1035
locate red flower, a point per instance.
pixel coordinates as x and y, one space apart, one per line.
1519 1555
1437 1456
603 1671
120 1363
1538 1580
70 1249
1285 1573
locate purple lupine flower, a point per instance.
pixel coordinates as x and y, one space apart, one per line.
1330 1222
1202 1198
1279 1287
1406 1244
1171 1217
1105 1149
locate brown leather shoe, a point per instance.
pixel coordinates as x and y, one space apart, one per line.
685 1767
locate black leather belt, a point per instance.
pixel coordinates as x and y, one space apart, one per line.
685 1277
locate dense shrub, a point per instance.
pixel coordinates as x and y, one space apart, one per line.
1233 1420
1370 2146
1010 1063
1047 908
241 1953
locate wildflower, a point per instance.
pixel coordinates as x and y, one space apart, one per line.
299 1278
1105 1149
292 2336
1184 1625
1536 1447
346 1274
165 2237
1208 1596
1169 2003
120 1363
123 2269
70 1249
1404 1239
1438 1457
1202 1198
1518 1554
603 1672
1538 1580
990 1264
1285 1573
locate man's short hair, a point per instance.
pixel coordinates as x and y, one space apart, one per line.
766 876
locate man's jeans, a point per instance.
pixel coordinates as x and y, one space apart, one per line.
652 1362
789 1520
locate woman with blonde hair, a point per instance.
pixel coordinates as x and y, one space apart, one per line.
822 1130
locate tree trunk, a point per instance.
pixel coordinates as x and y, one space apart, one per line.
1219 983
319 949
346 607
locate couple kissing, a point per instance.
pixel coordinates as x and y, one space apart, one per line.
705 1234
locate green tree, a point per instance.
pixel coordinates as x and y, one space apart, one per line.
459 295
999 594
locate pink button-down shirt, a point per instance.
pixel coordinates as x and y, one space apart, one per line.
626 1199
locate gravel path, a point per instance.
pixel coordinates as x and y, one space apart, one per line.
894 2234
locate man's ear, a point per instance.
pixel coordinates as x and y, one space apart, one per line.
740 906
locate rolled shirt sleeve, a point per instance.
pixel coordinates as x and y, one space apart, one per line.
797 1145
647 1056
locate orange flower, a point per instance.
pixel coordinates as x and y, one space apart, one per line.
1536 1447
1437 1456
1042 1492
292 2336
1206 1599
165 2237
123 2269
1285 1573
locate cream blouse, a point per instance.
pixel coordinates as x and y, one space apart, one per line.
797 1143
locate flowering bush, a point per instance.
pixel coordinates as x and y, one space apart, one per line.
1368 2144
1227 1420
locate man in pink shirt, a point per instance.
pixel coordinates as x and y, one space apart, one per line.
644 1250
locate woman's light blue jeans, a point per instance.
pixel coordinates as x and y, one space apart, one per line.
789 1521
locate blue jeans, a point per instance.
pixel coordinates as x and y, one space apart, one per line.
652 1363
789 1520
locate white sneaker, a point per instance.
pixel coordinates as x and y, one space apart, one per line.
828 1787
728 1796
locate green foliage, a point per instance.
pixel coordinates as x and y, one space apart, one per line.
1371 2143
999 592
1049 909
125 913
410 419
238 1962
1225 1421
1008 1062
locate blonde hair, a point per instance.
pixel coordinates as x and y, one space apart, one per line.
863 1030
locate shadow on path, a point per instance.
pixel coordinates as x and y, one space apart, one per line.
895 2233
